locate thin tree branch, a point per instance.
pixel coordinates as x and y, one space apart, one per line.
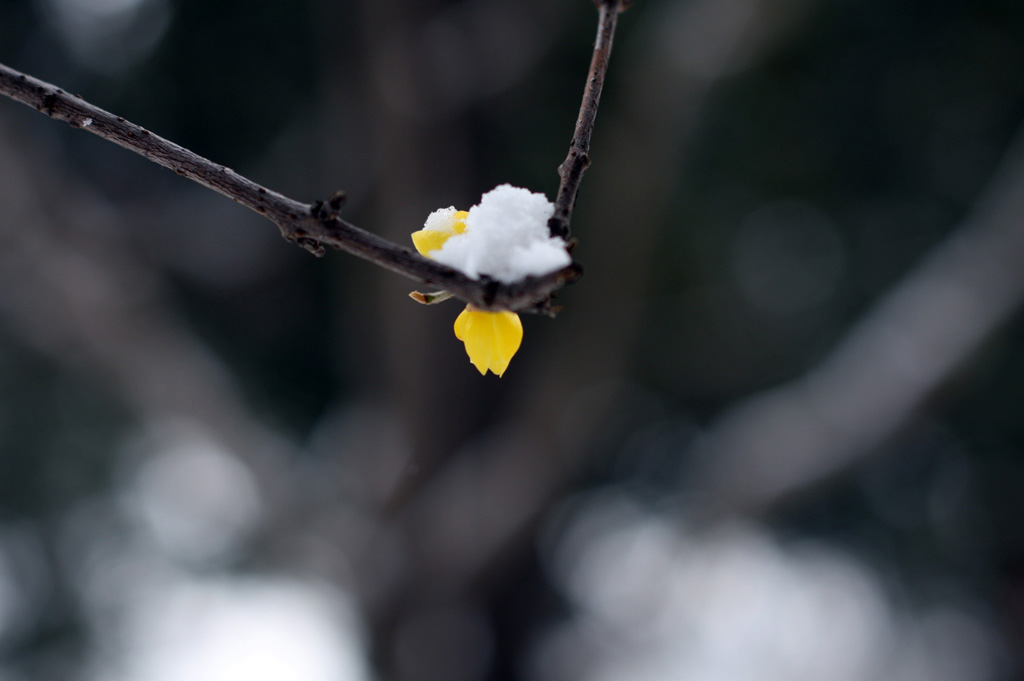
313 226
309 225
575 164
882 374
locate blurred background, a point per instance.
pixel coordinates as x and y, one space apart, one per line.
775 434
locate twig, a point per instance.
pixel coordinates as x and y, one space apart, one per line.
575 164
883 373
313 226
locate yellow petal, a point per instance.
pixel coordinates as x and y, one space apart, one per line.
428 240
491 338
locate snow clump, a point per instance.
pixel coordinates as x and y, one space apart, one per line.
506 237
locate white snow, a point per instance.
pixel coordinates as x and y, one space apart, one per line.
440 220
506 237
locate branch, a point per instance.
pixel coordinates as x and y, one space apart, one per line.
315 225
881 376
575 164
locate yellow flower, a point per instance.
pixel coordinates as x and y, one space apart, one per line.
491 338
427 241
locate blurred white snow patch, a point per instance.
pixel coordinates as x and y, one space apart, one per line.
506 237
254 629
196 499
656 603
108 36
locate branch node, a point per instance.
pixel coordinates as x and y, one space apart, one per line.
310 244
301 238
490 290
558 226
329 209
337 200
547 309
572 273
48 103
